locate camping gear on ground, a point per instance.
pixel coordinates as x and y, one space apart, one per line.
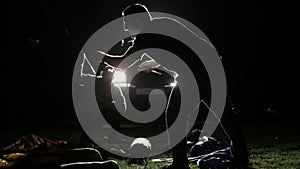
32 151
210 153
207 153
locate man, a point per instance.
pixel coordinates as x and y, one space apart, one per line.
134 26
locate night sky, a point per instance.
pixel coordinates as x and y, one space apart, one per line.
45 38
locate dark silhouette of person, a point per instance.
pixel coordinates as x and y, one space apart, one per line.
134 26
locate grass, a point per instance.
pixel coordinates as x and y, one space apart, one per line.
151 165
264 157
272 157
158 165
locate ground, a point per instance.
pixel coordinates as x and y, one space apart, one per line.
271 146
283 157
271 157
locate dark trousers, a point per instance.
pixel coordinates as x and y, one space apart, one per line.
231 123
180 159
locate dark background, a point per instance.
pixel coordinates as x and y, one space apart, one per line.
45 37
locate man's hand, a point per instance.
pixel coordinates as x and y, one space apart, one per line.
147 66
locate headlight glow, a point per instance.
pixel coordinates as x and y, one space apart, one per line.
119 78
173 84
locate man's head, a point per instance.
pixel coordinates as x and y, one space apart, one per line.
134 25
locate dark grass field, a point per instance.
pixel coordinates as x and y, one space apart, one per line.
270 146
276 156
265 157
